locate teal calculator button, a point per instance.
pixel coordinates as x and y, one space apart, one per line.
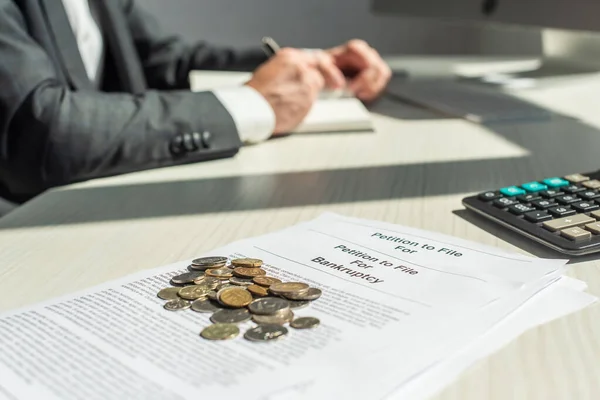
534 187
556 182
512 191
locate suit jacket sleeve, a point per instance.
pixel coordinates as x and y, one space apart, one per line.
51 135
167 60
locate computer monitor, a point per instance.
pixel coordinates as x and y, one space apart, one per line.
572 43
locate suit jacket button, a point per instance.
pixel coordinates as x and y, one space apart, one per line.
188 142
176 145
197 138
207 139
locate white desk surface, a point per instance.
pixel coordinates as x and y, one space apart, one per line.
414 171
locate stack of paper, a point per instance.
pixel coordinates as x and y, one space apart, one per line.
403 312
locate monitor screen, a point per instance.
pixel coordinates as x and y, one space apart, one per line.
583 15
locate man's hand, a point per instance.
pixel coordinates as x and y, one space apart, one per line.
291 82
368 73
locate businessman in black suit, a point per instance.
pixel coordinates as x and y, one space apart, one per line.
91 88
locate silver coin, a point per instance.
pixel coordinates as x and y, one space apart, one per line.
205 306
268 305
210 282
228 316
310 295
212 295
213 262
281 318
305 323
266 332
188 277
297 304
176 305
225 286
240 281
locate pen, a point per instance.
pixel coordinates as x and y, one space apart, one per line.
270 46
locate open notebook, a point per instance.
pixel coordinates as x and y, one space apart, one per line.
333 112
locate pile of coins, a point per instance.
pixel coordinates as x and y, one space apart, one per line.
238 293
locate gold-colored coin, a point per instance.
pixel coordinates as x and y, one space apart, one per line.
265 281
235 297
194 292
211 282
244 272
169 293
219 273
259 291
289 287
199 280
247 262
220 332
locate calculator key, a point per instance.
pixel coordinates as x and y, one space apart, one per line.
572 189
543 204
528 198
489 196
504 202
534 187
589 195
585 206
537 216
561 211
551 193
568 222
519 209
593 227
555 182
576 233
595 184
512 191
595 214
577 178
567 199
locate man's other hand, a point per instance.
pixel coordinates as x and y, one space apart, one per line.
368 73
290 82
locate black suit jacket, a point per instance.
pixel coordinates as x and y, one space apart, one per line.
56 127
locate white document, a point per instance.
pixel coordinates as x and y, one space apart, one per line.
335 111
388 290
564 298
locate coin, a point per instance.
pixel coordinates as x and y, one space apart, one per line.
241 281
305 323
235 297
247 262
265 280
205 306
220 332
288 287
243 272
282 317
212 295
297 304
211 282
219 273
188 277
228 316
176 305
209 261
268 305
169 293
199 279
193 292
266 332
258 290
311 294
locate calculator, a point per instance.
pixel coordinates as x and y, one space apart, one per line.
562 213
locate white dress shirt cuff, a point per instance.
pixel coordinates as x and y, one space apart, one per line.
252 114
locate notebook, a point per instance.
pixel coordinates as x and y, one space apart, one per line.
335 111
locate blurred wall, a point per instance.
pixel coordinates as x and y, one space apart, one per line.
321 23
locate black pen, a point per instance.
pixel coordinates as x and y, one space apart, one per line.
270 46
